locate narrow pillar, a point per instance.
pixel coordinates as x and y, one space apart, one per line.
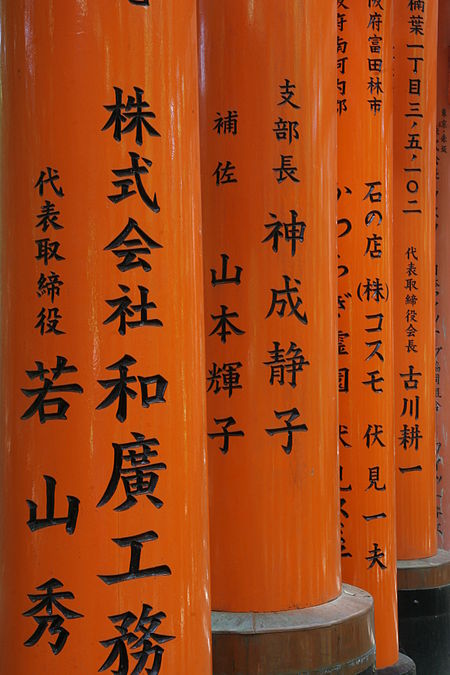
443 279
103 515
268 137
423 628
414 162
365 310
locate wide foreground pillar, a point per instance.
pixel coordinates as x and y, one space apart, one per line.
103 513
365 306
423 604
268 134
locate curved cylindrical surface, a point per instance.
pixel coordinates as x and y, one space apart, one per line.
268 134
415 36
443 280
103 513
365 286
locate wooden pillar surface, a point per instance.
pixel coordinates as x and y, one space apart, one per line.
443 279
365 286
415 38
268 134
103 517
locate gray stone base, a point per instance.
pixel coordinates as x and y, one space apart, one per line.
336 637
404 666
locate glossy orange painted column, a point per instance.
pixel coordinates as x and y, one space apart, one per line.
415 37
365 273
443 279
103 359
268 136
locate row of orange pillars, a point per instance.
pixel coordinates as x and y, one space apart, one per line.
212 398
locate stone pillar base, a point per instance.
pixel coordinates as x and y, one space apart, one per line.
424 612
404 666
336 637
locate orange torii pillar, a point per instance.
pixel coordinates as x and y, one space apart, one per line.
443 279
365 311
423 571
268 145
103 519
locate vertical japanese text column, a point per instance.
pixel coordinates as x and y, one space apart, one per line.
103 521
415 26
269 171
365 311
443 280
